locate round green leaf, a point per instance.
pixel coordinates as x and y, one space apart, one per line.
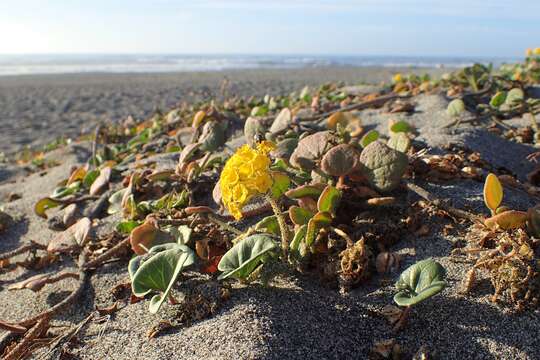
498 99
399 141
369 137
240 261
300 216
400 126
419 282
456 107
329 200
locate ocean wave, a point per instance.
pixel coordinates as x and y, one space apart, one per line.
63 64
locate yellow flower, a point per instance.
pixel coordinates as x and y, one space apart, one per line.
536 51
246 174
529 52
397 78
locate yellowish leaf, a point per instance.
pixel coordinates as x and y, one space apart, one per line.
78 174
507 220
198 119
493 192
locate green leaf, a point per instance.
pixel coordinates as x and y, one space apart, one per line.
300 216
44 204
299 236
280 184
181 233
90 177
158 271
329 200
317 222
399 141
115 202
63 191
419 282
269 224
240 261
313 191
514 96
369 137
125 227
498 99
455 108
400 126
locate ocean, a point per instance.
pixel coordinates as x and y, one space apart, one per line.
69 64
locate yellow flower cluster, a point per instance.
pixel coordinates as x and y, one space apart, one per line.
531 52
246 174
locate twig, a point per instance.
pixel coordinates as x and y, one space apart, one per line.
115 250
25 248
223 224
22 347
426 195
70 333
360 106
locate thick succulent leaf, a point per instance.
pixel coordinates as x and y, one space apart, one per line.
514 96
299 216
337 118
329 200
115 201
455 108
198 119
419 282
269 224
498 99
399 141
101 182
317 222
282 122
299 236
285 148
181 233
90 177
213 135
253 129
313 191
340 160
310 149
145 236
280 184
44 204
400 126
72 238
77 175
159 271
506 220
369 137
383 166
63 191
493 192
245 256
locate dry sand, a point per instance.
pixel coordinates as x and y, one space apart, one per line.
37 109
297 317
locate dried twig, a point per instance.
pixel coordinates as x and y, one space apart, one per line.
21 250
442 204
22 347
115 250
360 106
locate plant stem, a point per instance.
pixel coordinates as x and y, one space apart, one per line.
285 236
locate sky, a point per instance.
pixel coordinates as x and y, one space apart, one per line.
318 27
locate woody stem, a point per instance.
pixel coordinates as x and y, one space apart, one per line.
284 229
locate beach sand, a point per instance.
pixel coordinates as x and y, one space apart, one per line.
37 109
296 317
